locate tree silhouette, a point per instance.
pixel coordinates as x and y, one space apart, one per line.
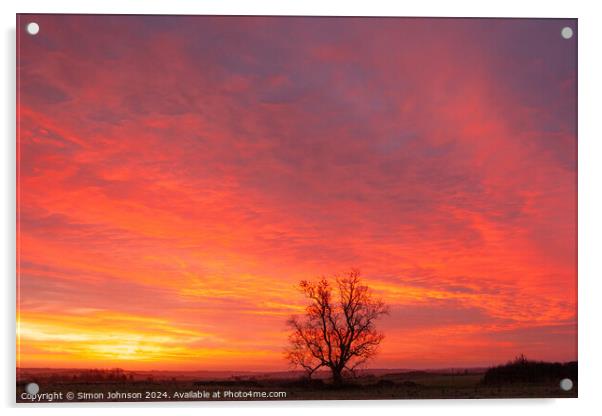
336 332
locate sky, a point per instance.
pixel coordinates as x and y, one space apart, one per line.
178 176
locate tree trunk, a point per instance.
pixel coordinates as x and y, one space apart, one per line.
337 377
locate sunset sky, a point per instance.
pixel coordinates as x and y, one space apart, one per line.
177 176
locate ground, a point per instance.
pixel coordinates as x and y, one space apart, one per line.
403 385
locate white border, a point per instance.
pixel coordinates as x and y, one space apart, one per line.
590 200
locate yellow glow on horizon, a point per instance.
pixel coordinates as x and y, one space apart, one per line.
105 337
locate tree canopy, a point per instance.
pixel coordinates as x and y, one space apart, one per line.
338 330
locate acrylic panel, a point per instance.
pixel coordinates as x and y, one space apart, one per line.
295 208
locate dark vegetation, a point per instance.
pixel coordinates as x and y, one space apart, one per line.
522 370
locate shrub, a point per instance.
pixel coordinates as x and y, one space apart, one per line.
522 370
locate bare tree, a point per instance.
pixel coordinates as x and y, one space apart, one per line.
336 332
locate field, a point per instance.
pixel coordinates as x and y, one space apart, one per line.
280 386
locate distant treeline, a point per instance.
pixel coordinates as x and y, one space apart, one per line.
91 375
522 370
